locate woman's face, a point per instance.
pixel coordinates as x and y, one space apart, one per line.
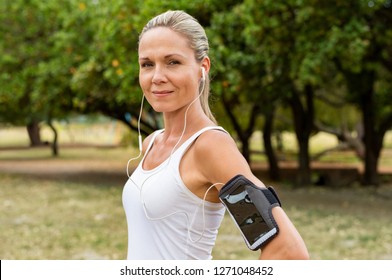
169 73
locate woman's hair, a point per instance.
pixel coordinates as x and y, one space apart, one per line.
190 28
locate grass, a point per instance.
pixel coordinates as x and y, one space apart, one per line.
46 219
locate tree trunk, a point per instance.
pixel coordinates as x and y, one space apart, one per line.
33 131
303 123
372 137
304 172
243 134
55 148
370 176
245 149
361 86
273 170
372 140
345 137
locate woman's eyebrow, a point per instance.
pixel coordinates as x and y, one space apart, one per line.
143 58
165 57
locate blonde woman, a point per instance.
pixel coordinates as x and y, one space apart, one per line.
172 199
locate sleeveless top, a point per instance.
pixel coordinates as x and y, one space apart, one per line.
165 219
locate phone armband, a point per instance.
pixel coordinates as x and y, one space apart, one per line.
251 209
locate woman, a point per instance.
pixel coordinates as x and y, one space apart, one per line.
172 198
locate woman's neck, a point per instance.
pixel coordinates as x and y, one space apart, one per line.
187 123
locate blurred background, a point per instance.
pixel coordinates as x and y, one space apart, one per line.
304 86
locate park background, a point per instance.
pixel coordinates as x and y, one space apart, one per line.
304 86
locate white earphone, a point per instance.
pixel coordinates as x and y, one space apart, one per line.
203 73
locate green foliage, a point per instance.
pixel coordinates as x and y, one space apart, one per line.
69 55
41 48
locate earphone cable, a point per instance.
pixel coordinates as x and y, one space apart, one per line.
139 138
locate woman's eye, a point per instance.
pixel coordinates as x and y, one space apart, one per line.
174 62
146 64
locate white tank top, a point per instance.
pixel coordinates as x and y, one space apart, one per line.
165 219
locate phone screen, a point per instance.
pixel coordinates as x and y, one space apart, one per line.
247 217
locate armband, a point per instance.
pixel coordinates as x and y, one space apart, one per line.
251 209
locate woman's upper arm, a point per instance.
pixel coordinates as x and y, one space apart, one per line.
220 160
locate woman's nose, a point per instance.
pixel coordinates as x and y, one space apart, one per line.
159 75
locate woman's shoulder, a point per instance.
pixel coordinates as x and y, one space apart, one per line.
214 140
220 157
216 133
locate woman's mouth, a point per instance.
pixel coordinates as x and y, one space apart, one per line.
161 93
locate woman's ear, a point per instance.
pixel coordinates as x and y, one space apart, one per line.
206 64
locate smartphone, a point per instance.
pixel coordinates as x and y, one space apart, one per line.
250 209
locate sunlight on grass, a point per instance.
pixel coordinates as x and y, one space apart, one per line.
388 140
322 141
100 133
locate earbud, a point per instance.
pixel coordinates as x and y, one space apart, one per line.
203 73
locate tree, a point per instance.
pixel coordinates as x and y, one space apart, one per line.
355 39
20 55
234 67
275 29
